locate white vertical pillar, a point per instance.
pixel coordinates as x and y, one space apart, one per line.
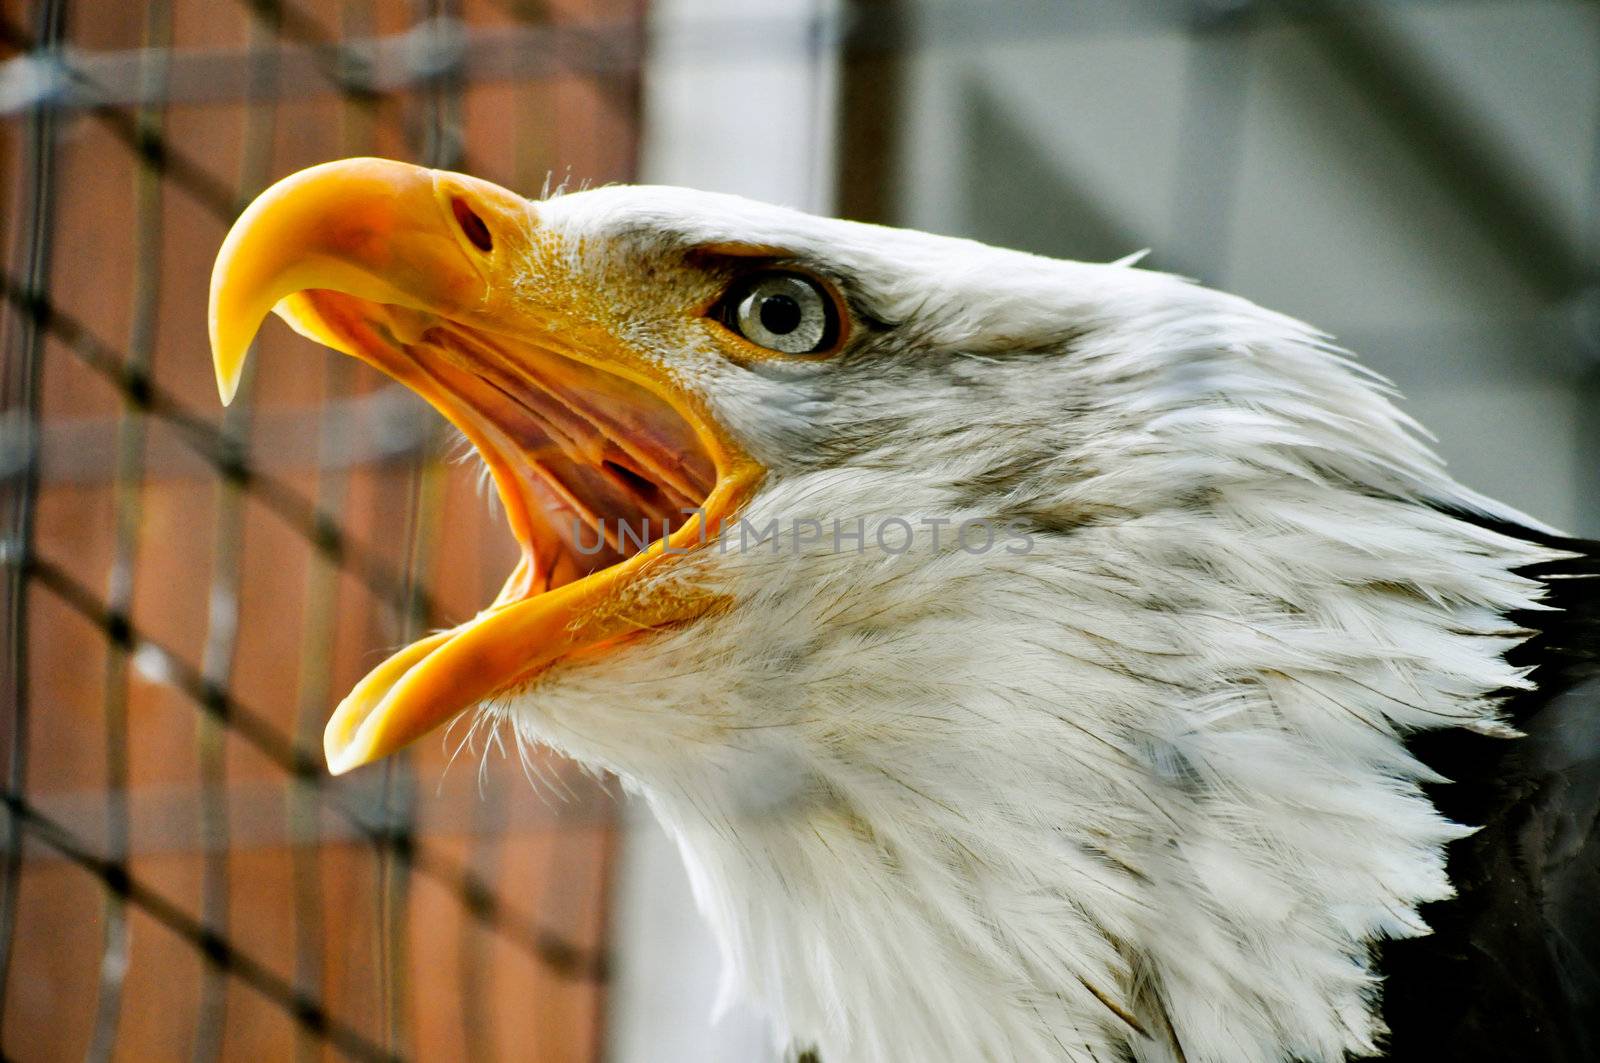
739 97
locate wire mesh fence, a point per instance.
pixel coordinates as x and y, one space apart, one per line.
186 592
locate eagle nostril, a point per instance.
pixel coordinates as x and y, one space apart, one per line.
472 225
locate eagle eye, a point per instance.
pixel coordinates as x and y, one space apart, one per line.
785 312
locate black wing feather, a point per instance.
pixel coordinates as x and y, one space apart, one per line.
1512 969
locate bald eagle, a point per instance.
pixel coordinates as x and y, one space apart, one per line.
1033 660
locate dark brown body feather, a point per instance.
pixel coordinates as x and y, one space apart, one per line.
1512 969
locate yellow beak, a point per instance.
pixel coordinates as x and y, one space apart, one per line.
408 269
372 228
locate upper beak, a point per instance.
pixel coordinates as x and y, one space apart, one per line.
376 229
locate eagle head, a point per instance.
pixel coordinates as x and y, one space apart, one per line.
1020 650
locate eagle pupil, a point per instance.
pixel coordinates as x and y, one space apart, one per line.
780 314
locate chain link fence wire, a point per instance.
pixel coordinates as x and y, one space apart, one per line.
187 591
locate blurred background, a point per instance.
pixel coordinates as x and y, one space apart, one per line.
186 594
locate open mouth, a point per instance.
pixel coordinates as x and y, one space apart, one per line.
591 469
606 469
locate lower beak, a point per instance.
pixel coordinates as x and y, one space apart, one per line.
410 270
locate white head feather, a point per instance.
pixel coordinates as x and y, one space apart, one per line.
1140 786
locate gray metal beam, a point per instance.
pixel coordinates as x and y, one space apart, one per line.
445 47
1443 133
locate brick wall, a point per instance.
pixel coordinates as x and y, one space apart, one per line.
200 590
